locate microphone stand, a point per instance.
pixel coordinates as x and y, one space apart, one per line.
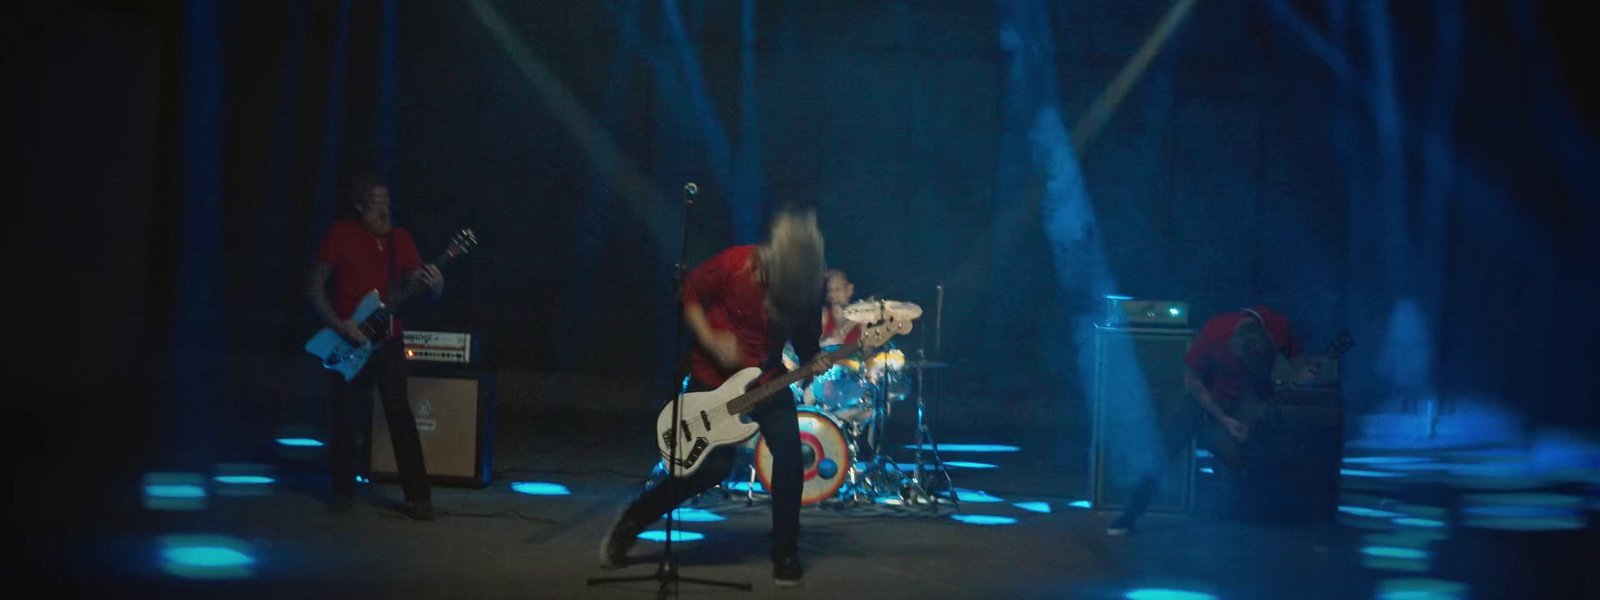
667 572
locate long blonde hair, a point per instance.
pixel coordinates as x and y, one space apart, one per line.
792 264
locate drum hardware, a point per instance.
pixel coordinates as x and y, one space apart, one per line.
880 480
917 490
843 413
881 376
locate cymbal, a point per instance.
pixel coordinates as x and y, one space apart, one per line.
872 311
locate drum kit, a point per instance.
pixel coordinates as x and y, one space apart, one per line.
843 416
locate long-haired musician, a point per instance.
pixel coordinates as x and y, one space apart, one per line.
742 306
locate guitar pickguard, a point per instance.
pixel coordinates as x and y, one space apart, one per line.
699 447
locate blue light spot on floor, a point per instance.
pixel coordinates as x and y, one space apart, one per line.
969 465
1361 473
1362 511
1038 507
174 491
1392 552
1166 594
1080 504
695 515
1417 595
984 519
540 489
244 479
1373 460
658 535
1420 588
745 486
1415 522
299 442
360 479
206 556
1207 470
972 448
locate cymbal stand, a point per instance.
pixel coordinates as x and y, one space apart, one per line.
925 437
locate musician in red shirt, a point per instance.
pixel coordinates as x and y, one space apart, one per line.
742 306
360 255
1228 371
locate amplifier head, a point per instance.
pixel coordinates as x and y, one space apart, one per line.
439 346
1126 311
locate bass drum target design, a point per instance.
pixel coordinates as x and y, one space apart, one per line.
824 457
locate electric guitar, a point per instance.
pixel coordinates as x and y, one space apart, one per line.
372 316
1284 375
720 417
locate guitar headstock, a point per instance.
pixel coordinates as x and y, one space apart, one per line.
876 335
1340 344
461 243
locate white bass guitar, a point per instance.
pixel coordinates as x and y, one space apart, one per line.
720 417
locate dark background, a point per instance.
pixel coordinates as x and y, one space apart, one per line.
1422 175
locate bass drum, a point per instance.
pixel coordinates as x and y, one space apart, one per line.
825 457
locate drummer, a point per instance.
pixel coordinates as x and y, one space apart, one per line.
837 330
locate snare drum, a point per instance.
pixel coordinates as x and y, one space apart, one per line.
824 457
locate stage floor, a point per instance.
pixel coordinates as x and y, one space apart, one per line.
498 543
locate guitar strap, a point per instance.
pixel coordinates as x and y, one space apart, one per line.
388 281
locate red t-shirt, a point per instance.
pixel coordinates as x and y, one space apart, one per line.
360 263
1223 374
831 325
734 300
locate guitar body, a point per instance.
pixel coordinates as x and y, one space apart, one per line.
338 353
705 424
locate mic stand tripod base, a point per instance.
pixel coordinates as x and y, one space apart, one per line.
667 572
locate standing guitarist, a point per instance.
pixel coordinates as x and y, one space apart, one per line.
361 255
742 306
1228 372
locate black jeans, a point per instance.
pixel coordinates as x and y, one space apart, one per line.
781 427
351 410
1194 423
